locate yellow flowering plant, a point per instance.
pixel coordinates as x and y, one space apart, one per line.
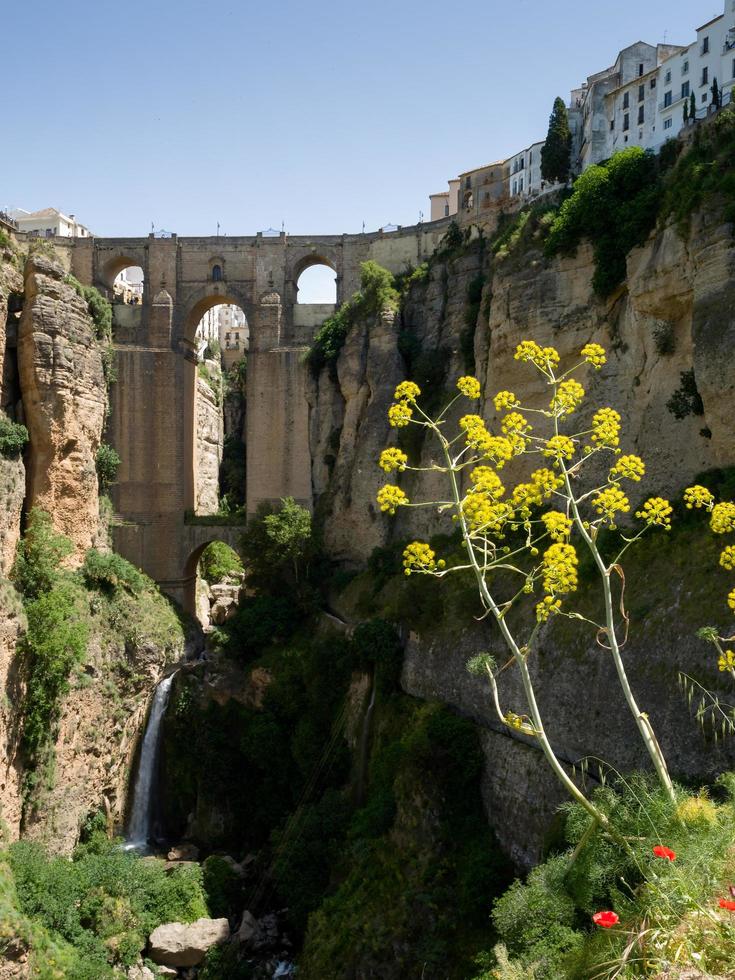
530 532
721 521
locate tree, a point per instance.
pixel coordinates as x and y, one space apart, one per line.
692 107
557 150
276 541
686 112
716 96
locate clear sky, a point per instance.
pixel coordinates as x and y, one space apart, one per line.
321 115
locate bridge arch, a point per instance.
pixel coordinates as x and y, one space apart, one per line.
113 266
205 299
199 538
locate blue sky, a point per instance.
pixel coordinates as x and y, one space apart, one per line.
321 115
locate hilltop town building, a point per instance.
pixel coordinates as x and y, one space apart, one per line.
49 223
637 101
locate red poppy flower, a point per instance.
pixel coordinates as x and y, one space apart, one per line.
605 919
664 852
726 903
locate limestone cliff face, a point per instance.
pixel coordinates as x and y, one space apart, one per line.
12 625
209 444
64 399
673 316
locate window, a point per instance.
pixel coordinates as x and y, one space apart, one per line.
685 68
216 273
612 125
705 45
653 83
520 185
626 100
685 90
667 99
227 336
640 115
704 97
640 70
641 93
733 67
705 75
667 80
515 186
446 210
668 123
626 122
530 157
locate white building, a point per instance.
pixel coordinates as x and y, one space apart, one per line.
445 203
693 70
523 173
49 223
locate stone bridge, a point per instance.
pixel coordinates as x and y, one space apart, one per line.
152 422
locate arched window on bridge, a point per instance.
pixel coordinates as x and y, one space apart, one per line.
216 273
219 579
222 337
317 285
127 287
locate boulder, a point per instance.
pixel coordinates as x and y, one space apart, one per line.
186 944
248 928
139 971
184 852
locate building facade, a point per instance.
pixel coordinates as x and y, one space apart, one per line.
49 223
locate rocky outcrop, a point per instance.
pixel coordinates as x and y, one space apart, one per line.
64 400
12 626
12 495
179 944
673 317
209 441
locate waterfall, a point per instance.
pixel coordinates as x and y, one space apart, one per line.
139 828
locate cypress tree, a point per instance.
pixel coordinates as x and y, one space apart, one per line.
715 93
556 152
692 107
686 111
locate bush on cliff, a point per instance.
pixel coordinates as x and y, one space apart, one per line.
40 553
108 572
377 293
615 205
13 437
98 908
219 562
107 462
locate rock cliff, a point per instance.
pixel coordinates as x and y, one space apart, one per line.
668 329
64 399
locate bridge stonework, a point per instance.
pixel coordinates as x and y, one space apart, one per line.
152 423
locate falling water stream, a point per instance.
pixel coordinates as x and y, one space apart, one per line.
139 828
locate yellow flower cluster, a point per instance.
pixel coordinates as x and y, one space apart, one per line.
722 520
469 386
496 448
727 558
389 497
731 600
543 357
606 428
547 481
727 660
504 400
630 467
512 720
698 496
547 607
656 511
559 447
486 480
594 355
558 525
568 398
392 459
611 501
515 424
482 514
560 568
419 557
399 415
407 391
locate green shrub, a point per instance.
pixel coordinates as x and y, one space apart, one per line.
219 562
377 293
13 437
99 308
40 553
107 462
103 903
108 572
223 886
55 642
614 205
